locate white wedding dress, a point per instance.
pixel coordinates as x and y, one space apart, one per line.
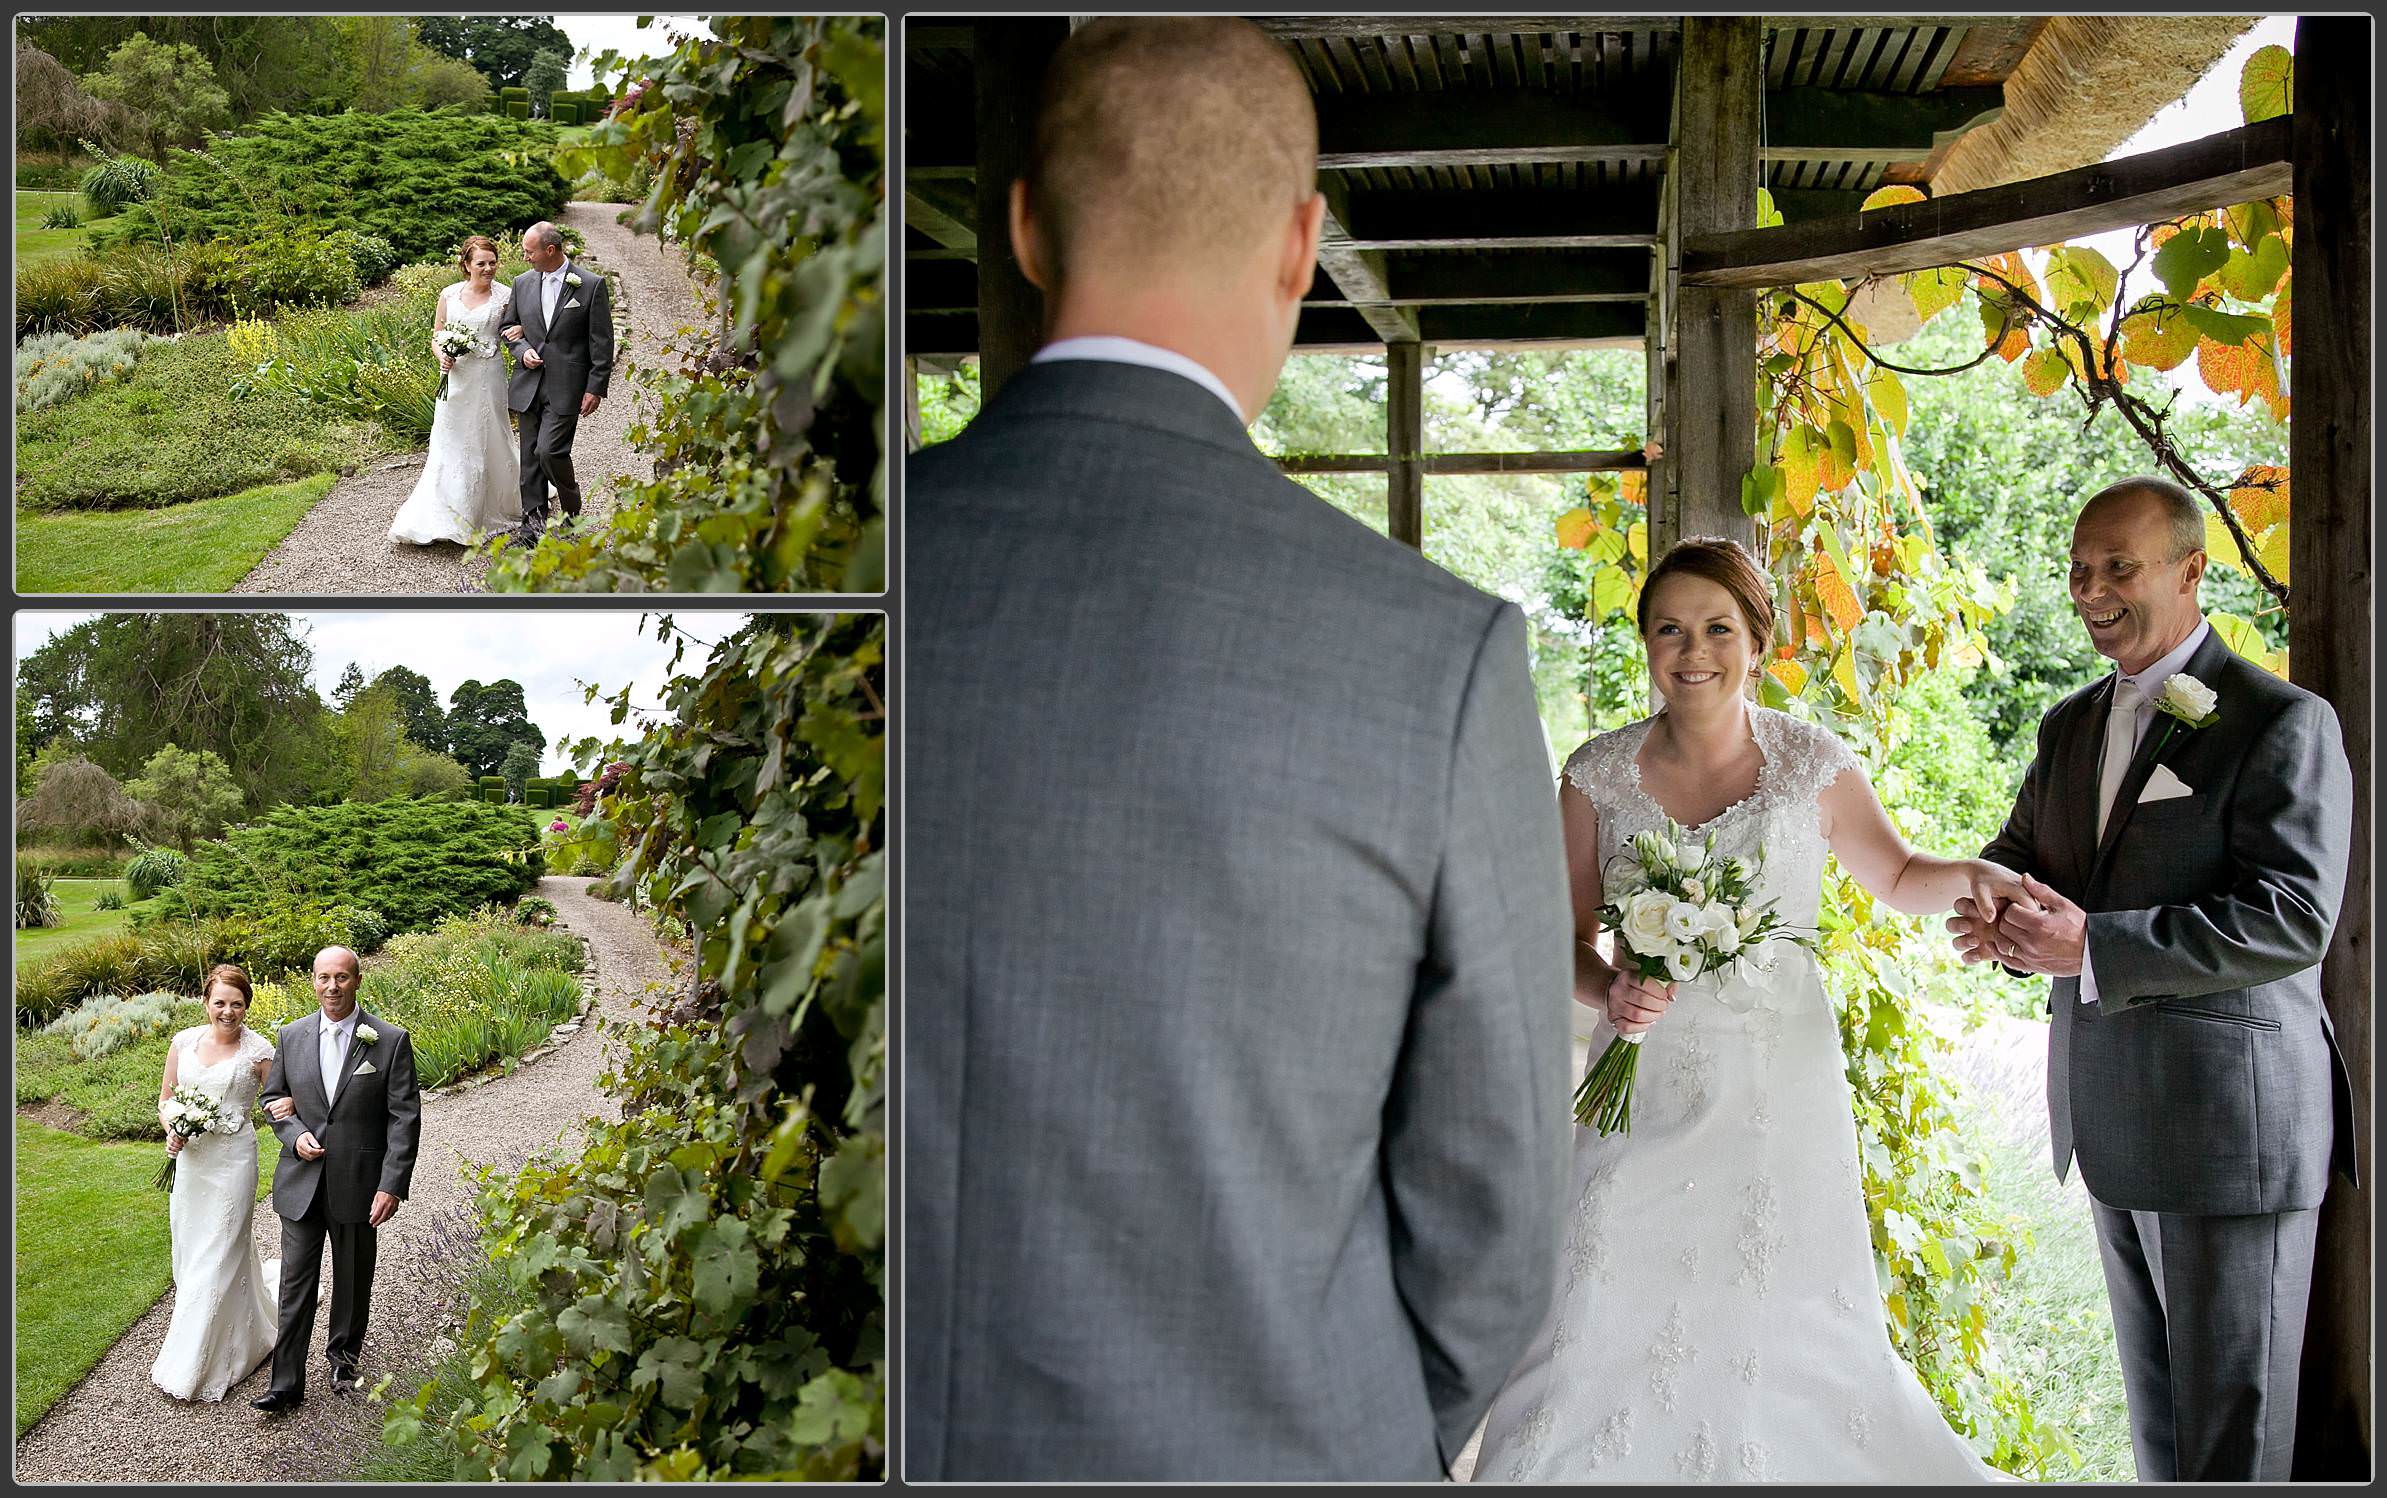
224 1309
1717 1316
471 484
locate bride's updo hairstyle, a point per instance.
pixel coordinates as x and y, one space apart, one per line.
232 976
1729 566
474 242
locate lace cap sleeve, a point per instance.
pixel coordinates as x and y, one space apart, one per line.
1597 768
1819 754
255 1046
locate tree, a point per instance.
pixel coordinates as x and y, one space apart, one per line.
521 763
24 744
545 75
373 745
194 793
485 721
262 62
418 704
55 111
437 80
377 55
423 772
352 681
77 802
500 48
121 686
169 89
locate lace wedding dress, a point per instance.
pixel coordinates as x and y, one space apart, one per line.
1717 1315
224 1309
471 484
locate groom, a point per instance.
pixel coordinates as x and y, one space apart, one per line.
343 1099
1235 1073
563 357
2185 828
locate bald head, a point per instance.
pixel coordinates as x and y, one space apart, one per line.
1175 144
2161 503
337 972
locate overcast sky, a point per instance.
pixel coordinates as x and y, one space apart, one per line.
552 652
593 34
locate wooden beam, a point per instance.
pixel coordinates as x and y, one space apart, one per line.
1357 131
953 333
1437 465
2235 166
1360 274
1404 442
1619 217
1319 28
1837 124
1011 56
1445 280
2329 653
937 220
1712 403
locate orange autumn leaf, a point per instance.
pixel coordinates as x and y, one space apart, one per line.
2245 370
1838 598
2158 339
2045 372
2017 343
1790 673
1575 529
2279 318
2259 498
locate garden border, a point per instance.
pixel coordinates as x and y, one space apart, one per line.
556 1038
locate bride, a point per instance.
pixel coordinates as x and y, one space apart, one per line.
471 482
224 1309
1718 1315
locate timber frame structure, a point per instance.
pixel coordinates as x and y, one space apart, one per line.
1548 181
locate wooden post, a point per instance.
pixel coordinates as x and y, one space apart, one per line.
1711 405
2329 653
1404 439
1007 58
911 404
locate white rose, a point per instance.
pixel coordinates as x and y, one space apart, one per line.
1645 921
1683 923
2188 697
1721 928
1682 966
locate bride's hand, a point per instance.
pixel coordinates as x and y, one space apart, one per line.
446 363
510 332
1635 1002
174 1142
1994 887
281 1108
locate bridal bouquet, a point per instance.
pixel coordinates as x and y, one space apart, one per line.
1679 912
190 1113
455 342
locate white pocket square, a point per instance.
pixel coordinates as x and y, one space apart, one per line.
2163 785
360 1071
568 306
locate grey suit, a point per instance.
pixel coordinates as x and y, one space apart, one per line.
2203 1093
576 359
369 1130
1235 1032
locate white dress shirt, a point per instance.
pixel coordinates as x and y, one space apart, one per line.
1131 351
331 1048
2150 685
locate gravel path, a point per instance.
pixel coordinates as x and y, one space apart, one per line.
342 547
116 1426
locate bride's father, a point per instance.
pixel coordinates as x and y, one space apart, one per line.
563 349
344 1103
2186 824
1236 1032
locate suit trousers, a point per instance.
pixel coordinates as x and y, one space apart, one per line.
547 431
353 1245
2209 1316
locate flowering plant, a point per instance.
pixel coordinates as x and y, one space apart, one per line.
189 1113
1680 911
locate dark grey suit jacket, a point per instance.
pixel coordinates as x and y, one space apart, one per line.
576 354
1235 1032
2206 1079
369 1133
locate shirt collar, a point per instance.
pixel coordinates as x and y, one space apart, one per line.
2151 680
348 1023
1118 350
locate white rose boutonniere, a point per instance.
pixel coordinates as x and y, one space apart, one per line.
366 1035
571 278
2186 700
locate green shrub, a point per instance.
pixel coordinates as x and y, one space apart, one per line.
373 256
36 903
153 869
416 862
115 1096
59 296
107 899
56 367
518 109
111 1022
117 962
562 110
420 180
62 217
369 364
72 863
61 176
535 910
302 269
118 182
285 940
175 430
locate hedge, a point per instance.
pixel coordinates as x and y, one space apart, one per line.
416 862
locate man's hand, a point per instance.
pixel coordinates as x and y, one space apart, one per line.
1972 935
307 1148
588 405
2049 939
531 359
281 1109
385 1207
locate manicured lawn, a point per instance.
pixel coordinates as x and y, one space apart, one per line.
76 899
202 547
92 1254
36 244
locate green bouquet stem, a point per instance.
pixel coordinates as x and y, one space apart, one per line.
1605 1100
